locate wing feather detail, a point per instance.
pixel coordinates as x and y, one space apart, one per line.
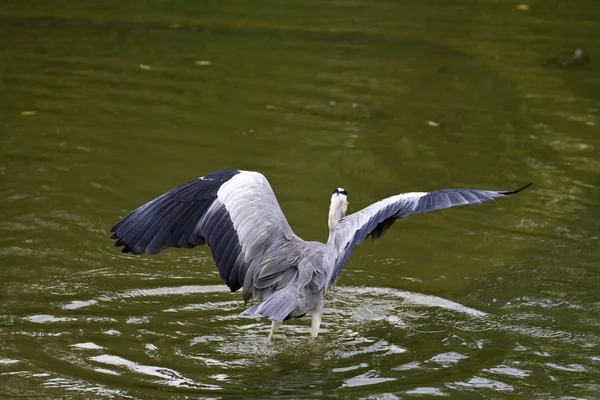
377 218
236 213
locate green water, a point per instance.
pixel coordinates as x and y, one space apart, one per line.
125 100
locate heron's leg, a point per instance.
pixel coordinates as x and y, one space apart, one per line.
274 327
316 323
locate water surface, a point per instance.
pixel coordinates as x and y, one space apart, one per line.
106 105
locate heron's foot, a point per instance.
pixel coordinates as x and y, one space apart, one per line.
274 327
316 323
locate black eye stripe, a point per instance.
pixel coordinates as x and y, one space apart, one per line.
337 191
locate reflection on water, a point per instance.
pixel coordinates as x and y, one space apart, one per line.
372 337
105 106
169 377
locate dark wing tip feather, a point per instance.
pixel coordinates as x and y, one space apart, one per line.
170 220
510 192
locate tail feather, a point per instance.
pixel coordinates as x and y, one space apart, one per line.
276 307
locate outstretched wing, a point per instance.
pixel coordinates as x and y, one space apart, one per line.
235 212
377 218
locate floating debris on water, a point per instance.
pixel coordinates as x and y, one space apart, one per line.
522 7
433 123
573 59
28 113
332 103
145 67
202 62
175 26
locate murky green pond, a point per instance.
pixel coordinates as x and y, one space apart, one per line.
105 105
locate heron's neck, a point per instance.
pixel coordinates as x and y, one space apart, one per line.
336 212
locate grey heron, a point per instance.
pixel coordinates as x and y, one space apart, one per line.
237 214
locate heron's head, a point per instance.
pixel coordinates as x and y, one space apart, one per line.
338 207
